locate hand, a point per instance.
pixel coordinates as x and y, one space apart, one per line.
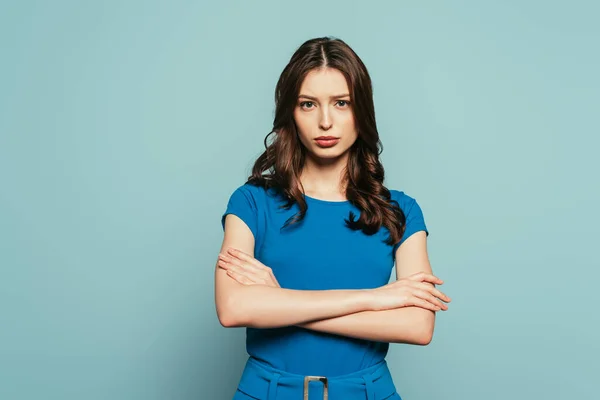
246 269
416 290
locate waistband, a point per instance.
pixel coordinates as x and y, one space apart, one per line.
262 381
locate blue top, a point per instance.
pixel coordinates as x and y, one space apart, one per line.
318 253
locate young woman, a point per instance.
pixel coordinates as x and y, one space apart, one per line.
311 239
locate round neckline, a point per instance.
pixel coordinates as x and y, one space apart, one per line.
327 202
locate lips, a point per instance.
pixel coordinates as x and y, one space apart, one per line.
327 141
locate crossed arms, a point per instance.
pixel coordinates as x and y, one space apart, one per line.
387 314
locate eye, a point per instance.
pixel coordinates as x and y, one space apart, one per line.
305 104
345 103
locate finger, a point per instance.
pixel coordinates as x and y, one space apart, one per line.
239 271
223 264
246 267
246 257
248 276
430 298
244 280
439 294
272 275
245 270
239 254
227 263
228 266
431 289
260 272
418 302
226 259
425 277
257 276
231 260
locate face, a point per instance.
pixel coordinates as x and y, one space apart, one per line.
324 115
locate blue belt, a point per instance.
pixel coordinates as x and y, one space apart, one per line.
262 381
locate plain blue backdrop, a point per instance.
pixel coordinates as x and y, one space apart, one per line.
126 125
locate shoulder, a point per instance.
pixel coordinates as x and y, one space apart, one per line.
405 201
254 196
415 220
246 202
249 191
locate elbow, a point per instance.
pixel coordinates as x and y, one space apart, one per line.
229 315
419 337
422 334
227 320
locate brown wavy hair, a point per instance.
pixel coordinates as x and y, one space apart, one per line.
280 165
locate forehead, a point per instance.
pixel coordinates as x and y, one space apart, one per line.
324 82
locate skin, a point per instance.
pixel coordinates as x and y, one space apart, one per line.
247 292
324 109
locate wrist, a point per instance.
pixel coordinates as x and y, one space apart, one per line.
364 299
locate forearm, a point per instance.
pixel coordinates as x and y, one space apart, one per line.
411 325
260 306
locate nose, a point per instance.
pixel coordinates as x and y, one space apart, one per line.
325 119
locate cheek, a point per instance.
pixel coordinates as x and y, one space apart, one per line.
349 127
303 125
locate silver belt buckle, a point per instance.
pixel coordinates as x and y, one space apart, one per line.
322 379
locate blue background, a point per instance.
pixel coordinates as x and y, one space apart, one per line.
126 125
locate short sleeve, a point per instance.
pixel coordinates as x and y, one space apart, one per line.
415 221
242 203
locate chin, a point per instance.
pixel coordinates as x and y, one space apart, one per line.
328 154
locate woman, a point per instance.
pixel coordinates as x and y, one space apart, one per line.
311 239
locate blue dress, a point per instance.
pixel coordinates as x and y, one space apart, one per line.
319 253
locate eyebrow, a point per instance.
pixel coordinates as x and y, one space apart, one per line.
331 97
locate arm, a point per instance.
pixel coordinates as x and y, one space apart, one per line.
262 306
412 325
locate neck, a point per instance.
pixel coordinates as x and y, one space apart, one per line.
324 178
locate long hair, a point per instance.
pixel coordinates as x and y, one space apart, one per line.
280 165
